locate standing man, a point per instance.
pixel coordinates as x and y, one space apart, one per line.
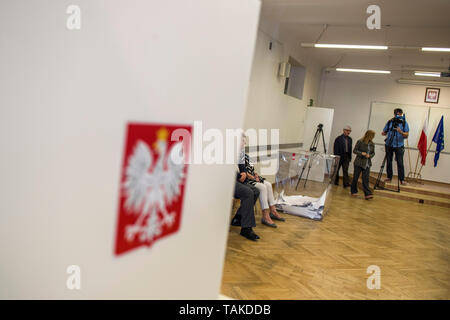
396 130
343 148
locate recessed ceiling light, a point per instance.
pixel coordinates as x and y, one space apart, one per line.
427 74
436 49
349 46
363 70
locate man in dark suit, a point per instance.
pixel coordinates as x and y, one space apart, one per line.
343 148
245 216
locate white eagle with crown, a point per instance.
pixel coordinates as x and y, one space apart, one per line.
149 188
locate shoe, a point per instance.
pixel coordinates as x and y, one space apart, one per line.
403 183
236 221
249 234
346 186
387 180
354 194
274 217
273 225
370 196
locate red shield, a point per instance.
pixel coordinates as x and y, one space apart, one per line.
152 183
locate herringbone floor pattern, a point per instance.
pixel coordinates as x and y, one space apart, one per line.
304 259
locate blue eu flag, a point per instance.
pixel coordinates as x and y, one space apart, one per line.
438 138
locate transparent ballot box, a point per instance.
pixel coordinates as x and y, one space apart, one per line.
303 183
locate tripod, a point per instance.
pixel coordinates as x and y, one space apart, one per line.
388 144
313 148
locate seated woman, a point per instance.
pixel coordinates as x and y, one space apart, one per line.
365 151
266 198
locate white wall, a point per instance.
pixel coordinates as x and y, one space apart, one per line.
351 95
267 105
65 99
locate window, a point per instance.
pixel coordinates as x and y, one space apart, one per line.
294 84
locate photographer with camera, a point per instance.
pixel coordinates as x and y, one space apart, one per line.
396 130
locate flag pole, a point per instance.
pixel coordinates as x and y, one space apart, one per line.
409 155
417 162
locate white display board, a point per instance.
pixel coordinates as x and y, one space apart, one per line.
66 96
381 112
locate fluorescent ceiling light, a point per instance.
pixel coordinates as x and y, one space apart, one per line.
349 46
425 83
362 70
436 49
427 74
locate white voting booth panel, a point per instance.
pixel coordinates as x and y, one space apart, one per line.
66 97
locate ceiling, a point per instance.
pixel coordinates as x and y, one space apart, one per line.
413 23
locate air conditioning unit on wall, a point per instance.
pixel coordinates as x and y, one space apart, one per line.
284 69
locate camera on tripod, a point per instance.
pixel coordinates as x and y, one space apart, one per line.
396 121
315 141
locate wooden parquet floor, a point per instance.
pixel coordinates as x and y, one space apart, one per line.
305 259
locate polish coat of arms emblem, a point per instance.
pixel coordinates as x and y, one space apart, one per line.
152 185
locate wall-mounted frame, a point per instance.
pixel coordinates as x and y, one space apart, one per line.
432 95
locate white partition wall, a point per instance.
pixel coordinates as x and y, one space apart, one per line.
66 97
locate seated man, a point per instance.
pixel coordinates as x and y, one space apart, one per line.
245 215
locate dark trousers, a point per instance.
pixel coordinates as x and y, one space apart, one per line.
365 180
343 162
248 196
399 152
